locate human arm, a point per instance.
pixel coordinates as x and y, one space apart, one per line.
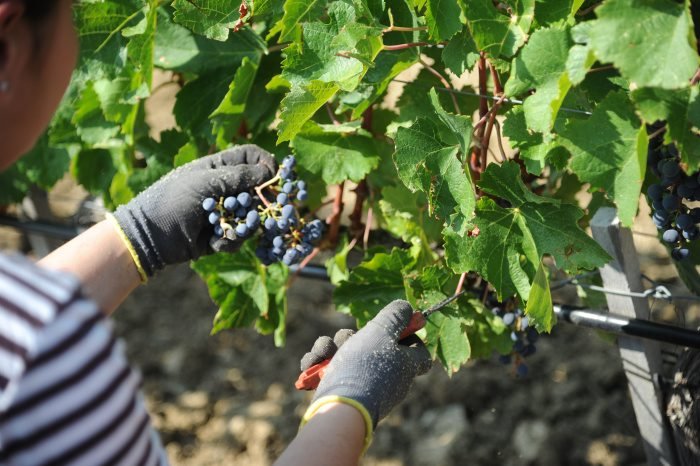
334 435
370 372
163 225
101 261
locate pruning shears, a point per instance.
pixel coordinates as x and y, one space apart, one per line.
311 377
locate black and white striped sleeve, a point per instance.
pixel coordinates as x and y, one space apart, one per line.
67 392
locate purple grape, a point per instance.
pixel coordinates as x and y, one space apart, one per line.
301 185
288 187
230 203
287 211
270 223
208 204
509 318
684 221
214 217
671 236
252 219
671 202
282 198
244 199
302 195
242 229
655 191
278 241
691 234
680 253
218 231
521 370
524 323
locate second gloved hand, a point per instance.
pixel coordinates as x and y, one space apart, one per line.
370 367
166 223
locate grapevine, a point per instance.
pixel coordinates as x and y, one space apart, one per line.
449 187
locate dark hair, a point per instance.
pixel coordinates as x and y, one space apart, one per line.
37 10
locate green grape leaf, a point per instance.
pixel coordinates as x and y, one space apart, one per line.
637 36
554 11
547 76
458 127
446 337
45 164
186 154
90 122
274 321
300 104
511 241
99 26
210 18
199 98
246 292
442 17
373 284
387 66
336 157
460 54
297 12
339 51
427 164
539 303
486 332
427 160
142 44
94 169
227 117
681 111
337 266
177 48
405 214
615 159
533 148
14 185
494 32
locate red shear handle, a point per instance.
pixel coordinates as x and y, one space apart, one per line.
311 377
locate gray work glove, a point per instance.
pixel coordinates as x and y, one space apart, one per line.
371 367
166 223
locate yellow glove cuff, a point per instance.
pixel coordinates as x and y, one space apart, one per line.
129 247
316 406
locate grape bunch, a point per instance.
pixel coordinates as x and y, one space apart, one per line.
676 221
286 236
233 217
523 336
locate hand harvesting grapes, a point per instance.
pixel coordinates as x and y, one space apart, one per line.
285 236
80 403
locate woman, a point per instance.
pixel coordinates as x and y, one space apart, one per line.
67 393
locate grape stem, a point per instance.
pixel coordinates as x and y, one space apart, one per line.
444 82
368 227
270 182
460 284
303 264
334 218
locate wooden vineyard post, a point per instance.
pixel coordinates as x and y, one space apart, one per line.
641 359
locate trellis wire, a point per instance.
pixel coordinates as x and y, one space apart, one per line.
485 96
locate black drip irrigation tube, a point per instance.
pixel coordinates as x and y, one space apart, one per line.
595 319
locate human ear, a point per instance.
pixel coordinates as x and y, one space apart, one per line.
14 48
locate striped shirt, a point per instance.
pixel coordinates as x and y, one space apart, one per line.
67 393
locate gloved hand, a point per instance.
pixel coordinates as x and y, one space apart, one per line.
166 223
370 368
